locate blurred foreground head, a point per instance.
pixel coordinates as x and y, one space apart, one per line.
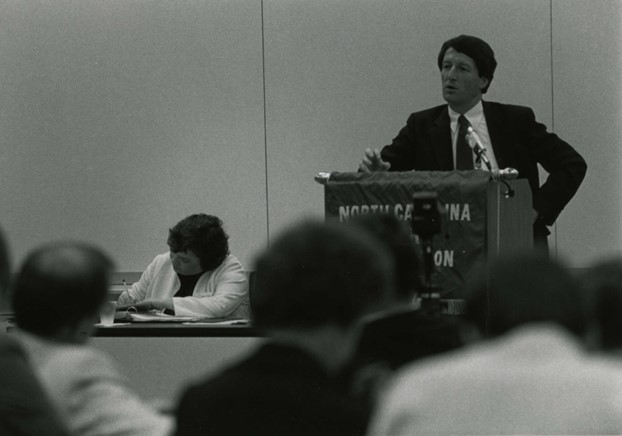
319 274
604 282
522 289
60 286
395 235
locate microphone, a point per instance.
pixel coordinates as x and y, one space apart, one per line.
504 174
480 151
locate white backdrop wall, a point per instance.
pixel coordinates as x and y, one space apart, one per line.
587 89
119 117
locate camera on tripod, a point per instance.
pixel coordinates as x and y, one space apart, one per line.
426 223
426 217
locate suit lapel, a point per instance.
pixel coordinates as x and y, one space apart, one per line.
497 132
440 135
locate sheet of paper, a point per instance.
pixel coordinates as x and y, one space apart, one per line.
219 322
159 317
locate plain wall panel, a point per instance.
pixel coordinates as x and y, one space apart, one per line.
587 70
342 76
118 118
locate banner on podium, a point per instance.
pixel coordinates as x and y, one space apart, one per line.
463 199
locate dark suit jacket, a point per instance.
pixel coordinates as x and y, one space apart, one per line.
278 390
405 336
393 340
518 141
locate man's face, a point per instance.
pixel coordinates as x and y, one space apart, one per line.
462 85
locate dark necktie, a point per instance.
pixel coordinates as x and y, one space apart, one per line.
464 155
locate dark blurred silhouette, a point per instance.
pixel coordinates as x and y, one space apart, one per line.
604 281
313 284
57 298
25 408
528 372
404 332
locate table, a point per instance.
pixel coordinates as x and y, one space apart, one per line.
161 359
177 330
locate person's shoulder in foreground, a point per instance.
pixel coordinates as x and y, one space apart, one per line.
313 284
280 390
57 296
25 408
530 372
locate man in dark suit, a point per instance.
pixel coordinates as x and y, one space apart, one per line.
432 139
312 286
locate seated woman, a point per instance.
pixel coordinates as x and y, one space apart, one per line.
197 277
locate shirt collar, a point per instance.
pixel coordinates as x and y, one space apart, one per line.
475 115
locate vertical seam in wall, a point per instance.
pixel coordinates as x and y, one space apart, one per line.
265 121
552 77
552 93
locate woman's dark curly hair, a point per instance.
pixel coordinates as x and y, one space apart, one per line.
204 236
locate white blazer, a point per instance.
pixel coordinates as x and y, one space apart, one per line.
219 293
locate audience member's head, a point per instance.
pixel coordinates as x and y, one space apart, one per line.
478 50
60 288
525 288
604 282
319 274
204 236
395 235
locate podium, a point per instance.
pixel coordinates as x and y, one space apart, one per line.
482 216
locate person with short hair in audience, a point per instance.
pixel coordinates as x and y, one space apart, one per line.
198 276
313 284
57 298
25 409
604 280
404 332
531 375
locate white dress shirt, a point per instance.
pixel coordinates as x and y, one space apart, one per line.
476 118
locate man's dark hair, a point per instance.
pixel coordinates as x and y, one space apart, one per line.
478 50
59 285
604 281
525 288
395 235
319 274
204 236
